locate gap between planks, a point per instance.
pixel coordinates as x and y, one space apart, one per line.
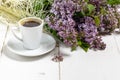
4 40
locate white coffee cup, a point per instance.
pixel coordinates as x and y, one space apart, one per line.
30 36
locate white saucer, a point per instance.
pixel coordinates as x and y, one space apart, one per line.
16 46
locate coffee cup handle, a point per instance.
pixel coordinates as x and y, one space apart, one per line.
16 32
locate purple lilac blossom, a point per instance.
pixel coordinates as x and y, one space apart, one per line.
108 22
90 34
69 29
62 21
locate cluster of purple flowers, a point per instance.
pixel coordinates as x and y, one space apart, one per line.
108 22
71 29
62 21
88 33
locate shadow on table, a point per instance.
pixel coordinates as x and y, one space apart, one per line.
13 56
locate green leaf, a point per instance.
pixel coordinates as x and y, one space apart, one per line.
113 2
86 0
73 48
79 14
103 11
97 20
79 42
85 46
90 8
52 32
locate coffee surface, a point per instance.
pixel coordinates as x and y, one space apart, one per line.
31 24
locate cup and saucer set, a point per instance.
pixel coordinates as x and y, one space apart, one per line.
29 40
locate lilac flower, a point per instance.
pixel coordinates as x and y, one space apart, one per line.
89 34
70 28
108 22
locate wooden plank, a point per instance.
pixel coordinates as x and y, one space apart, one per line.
3 30
15 67
117 39
93 65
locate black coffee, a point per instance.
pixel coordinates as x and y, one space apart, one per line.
31 24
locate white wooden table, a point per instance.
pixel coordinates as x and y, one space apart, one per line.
14 67
77 65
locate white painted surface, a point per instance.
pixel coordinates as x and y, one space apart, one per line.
35 69
77 65
3 29
15 67
93 65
